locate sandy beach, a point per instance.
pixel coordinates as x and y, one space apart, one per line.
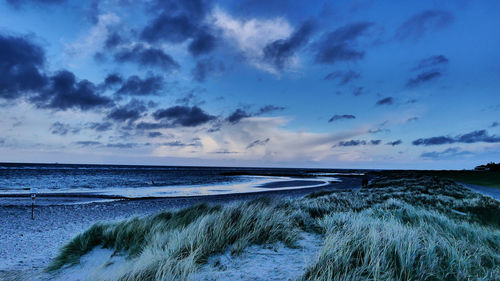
28 245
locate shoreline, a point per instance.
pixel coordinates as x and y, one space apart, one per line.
255 187
29 245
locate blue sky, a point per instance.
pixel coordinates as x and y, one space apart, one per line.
341 84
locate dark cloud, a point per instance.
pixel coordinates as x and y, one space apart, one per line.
176 21
431 62
62 129
114 39
129 112
340 44
122 145
411 119
204 67
190 99
152 126
112 80
237 115
88 143
445 154
385 101
472 137
423 77
136 86
168 28
494 124
154 134
21 63
358 91
100 127
151 57
269 108
358 143
337 117
203 43
279 51
182 144
65 92
258 143
19 3
422 23
342 77
183 116
394 143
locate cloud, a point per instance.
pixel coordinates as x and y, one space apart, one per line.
113 40
151 57
136 86
337 117
122 145
129 112
203 43
183 116
394 143
422 78
88 143
100 126
284 145
19 3
358 91
154 134
422 23
341 44
178 21
412 119
258 142
494 124
172 29
269 108
21 64
58 128
65 92
431 62
251 36
342 77
112 80
237 115
385 101
359 142
204 67
472 137
279 52
445 154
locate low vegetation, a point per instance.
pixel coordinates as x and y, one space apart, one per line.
401 227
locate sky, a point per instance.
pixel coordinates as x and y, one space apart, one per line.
291 83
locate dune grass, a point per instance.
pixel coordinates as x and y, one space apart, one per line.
402 227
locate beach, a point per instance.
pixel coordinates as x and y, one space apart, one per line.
27 246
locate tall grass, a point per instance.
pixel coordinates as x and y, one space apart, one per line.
170 246
402 227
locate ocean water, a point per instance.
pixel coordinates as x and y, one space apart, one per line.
152 181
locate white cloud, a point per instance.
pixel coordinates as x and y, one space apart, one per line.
232 141
94 39
252 35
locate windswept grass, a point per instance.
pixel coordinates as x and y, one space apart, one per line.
401 227
170 246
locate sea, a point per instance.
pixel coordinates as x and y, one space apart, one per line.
77 181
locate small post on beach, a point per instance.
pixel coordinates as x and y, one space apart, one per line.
33 192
